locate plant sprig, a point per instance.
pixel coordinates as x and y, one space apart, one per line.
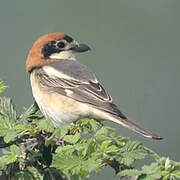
33 149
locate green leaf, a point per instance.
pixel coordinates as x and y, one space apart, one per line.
91 164
72 139
105 145
10 159
3 160
145 177
2 87
65 162
30 173
169 169
87 125
152 171
10 136
20 127
68 149
3 131
32 112
102 131
73 151
94 124
130 152
7 109
49 140
112 149
75 165
61 132
165 175
15 150
176 173
45 125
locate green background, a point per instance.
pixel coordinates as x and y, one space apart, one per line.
135 55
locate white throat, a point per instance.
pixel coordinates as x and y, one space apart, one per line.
64 55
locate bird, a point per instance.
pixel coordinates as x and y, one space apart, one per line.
66 90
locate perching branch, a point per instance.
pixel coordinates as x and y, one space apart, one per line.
32 149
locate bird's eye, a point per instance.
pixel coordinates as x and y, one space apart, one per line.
60 44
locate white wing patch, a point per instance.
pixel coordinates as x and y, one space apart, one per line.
53 73
50 71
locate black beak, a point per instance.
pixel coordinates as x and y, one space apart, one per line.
80 48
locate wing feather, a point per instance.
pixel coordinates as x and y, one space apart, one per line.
88 91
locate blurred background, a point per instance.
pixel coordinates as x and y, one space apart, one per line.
135 55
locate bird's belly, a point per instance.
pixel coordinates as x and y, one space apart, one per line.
58 109
57 117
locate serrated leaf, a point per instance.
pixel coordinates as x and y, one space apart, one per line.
91 164
32 112
45 125
20 127
15 150
130 152
152 171
65 162
94 124
32 109
102 131
72 139
176 173
105 145
3 131
61 132
86 148
112 149
156 175
3 160
8 109
165 174
2 86
85 126
11 158
68 149
10 136
75 165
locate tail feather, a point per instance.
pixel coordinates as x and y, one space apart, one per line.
135 127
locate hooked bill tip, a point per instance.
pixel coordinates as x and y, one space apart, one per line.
81 48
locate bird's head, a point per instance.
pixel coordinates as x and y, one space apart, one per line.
52 47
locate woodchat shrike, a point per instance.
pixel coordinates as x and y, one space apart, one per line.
66 90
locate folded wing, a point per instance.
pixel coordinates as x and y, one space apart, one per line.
70 76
